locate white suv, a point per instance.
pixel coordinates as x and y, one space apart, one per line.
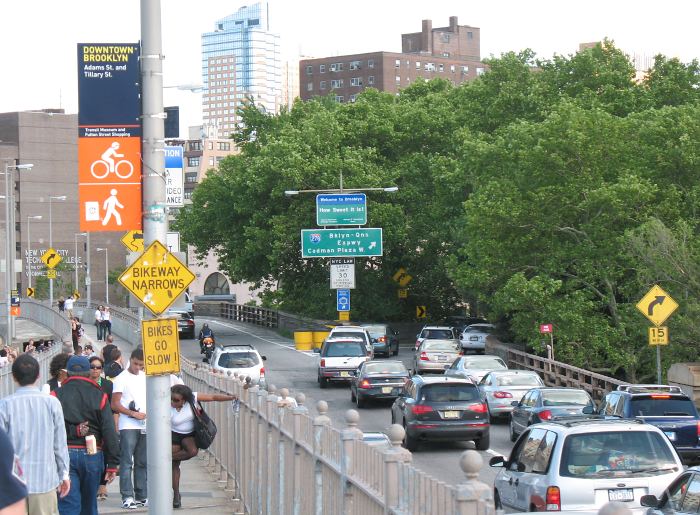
352 331
340 358
243 359
581 464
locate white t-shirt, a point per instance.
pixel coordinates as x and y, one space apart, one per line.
183 421
133 388
98 315
69 303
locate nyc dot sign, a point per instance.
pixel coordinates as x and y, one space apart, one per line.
161 346
157 278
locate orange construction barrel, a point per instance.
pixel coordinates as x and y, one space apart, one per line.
319 336
303 340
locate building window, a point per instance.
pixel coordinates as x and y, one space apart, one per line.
441 68
210 145
309 70
224 145
337 67
445 37
397 63
398 79
370 80
195 145
323 84
352 98
354 65
322 68
470 35
480 71
336 83
445 54
340 99
429 67
188 195
356 81
309 86
417 65
465 69
193 161
452 68
370 63
211 161
253 22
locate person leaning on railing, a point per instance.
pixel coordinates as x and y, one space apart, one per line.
182 398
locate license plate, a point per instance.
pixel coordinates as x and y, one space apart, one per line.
345 374
621 494
474 338
442 358
671 435
386 389
450 414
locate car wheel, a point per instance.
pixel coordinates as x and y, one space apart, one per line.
352 395
483 443
360 402
513 434
396 351
409 443
497 500
322 382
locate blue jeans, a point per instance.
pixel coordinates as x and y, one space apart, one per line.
85 472
132 455
100 330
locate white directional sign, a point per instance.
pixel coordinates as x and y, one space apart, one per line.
342 273
174 176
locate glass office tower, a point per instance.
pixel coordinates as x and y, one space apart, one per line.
240 61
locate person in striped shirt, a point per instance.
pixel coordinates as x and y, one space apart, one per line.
34 422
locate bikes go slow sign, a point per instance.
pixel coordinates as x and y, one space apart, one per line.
161 347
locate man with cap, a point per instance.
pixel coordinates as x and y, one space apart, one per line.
87 414
34 423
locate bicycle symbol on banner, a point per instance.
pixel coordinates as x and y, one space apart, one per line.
106 164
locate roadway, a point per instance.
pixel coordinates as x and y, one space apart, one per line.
296 370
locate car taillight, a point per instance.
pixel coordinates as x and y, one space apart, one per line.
262 371
381 339
546 415
477 408
698 430
365 384
323 362
660 396
553 499
417 344
190 322
421 409
424 356
503 395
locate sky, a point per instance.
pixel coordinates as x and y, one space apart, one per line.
39 37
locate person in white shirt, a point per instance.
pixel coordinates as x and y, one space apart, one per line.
107 322
182 398
129 401
69 306
99 324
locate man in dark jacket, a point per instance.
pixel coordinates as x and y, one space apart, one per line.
87 413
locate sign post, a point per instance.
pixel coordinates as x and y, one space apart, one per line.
657 306
549 329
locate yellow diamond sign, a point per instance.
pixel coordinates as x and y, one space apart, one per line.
157 278
51 258
133 240
657 305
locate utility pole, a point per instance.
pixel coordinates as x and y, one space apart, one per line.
155 227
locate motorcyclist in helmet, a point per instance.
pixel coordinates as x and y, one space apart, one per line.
205 332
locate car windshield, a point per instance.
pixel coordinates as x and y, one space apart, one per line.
565 398
238 360
343 349
519 380
377 330
439 346
385 368
483 363
449 392
478 329
661 406
616 454
438 334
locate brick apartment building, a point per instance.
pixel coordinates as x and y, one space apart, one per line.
451 52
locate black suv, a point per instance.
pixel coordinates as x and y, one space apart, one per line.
441 408
663 406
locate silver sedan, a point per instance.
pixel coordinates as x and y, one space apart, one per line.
501 387
475 367
435 356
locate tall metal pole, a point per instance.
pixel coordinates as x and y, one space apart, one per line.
75 262
50 246
155 227
9 255
88 281
29 250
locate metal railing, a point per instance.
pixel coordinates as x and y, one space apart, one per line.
555 373
41 313
7 384
125 322
276 458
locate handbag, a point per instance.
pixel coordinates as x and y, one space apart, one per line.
204 427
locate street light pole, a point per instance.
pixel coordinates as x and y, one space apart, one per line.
29 245
10 249
75 259
52 197
106 251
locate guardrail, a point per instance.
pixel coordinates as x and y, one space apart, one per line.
126 323
264 317
555 373
278 459
7 384
41 313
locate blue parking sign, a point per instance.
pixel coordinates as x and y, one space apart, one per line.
343 300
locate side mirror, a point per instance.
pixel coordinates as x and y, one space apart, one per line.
447 366
374 340
649 501
588 410
264 358
317 351
514 403
497 461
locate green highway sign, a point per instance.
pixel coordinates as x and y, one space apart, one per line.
341 209
319 243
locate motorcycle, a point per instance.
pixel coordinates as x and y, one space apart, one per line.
207 345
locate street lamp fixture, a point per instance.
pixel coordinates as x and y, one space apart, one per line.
106 251
75 258
390 189
29 245
10 250
52 198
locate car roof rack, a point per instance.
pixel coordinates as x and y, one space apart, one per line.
234 345
577 420
649 388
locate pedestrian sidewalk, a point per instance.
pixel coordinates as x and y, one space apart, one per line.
200 490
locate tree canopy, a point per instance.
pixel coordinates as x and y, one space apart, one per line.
543 191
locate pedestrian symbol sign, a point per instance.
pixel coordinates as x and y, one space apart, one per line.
133 240
657 305
51 258
157 278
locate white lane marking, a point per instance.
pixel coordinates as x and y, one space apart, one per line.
305 353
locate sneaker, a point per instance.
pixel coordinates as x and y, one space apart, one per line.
129 504
143 503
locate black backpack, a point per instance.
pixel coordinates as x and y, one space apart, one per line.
113 369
